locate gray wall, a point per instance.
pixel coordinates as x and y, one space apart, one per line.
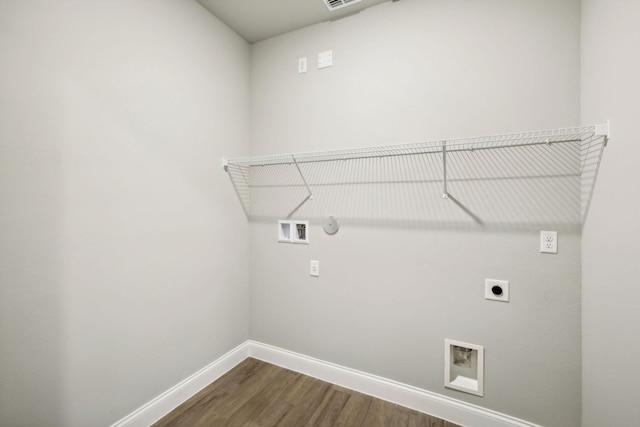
610 267
388 296
123 249
123 252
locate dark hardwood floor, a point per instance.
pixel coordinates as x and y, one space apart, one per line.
258 394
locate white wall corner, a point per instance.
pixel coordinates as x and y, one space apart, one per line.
161 405
412 397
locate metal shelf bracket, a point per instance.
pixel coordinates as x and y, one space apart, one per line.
445 193
309 196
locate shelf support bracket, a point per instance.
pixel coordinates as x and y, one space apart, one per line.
445 192
302 176
309 196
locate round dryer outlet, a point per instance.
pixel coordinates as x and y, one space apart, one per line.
496 290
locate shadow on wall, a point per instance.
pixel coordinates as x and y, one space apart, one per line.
520 187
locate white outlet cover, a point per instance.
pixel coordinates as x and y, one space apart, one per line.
549 242
325 59
496 290
302 65
314 268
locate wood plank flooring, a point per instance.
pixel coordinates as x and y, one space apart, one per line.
258 394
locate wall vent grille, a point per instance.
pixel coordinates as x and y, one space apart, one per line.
337 4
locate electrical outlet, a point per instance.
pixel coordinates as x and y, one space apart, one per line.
549 242
314 268
325 59
302 65
497 290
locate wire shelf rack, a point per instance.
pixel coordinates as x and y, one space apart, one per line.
534 178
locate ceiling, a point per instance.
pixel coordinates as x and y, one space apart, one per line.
256 20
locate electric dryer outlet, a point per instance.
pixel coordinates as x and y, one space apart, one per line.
496 290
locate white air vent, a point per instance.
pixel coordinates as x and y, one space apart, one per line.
337 4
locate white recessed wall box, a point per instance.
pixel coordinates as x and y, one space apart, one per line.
464 367
293 231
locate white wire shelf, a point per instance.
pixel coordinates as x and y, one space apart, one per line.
548 175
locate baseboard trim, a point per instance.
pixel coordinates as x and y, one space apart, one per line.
160 406
441 406
444 407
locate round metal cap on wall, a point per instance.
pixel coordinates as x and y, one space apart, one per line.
330 225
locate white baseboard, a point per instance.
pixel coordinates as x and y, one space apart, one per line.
160 406
444 407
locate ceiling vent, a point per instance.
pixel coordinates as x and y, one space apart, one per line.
337 4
